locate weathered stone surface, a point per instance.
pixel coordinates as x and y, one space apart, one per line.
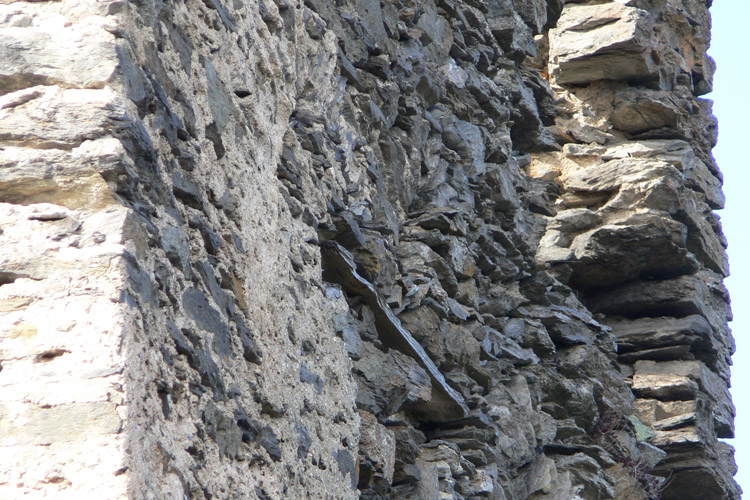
39 116
701 470
644 337
377 448
42 47
60 424
74 179
229 225
686 380
384 391
695 294
602 41
681 155
339 266
644 245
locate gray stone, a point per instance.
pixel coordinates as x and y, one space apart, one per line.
46 49
388 381
346 465
308 377
377 452
209 319
270 442
510 180
601 41
175 245
644 245
222 429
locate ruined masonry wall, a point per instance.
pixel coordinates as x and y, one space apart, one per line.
361 249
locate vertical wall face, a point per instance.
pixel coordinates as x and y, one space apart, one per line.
240 387
63 237
166 333
371 249
650 257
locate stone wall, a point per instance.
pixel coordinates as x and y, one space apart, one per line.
424 250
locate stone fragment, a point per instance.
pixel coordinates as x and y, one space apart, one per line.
270 442
602 41
461 260
416 256
306 376
207 318
389 381
346 326
533 12
222 429
583 470
377 451
704 228
574 220
638 110
346 465
698 471
643 245
650 454
68 423
175 244
684 296
512 33
686 380
187 191
339 267
680 154
46 51
304 441
615 173
651 411
249 428
43 117
639 337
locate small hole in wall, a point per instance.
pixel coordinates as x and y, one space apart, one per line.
7 278
49 355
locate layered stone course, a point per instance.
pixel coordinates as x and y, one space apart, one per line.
361 249
648 181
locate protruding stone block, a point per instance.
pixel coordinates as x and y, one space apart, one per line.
609 41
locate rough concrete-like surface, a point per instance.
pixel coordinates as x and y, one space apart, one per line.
362 249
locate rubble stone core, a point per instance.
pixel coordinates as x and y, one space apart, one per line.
286 249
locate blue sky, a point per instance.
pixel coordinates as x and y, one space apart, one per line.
731 92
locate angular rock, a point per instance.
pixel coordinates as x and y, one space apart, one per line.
644 245
686 380
684 296
602 41
694 332
46 50
390 381
377 449
339 267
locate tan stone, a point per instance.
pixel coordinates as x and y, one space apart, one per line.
378 445
14 304
22 330
594 42
58 424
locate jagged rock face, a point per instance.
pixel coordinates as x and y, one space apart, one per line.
362 249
